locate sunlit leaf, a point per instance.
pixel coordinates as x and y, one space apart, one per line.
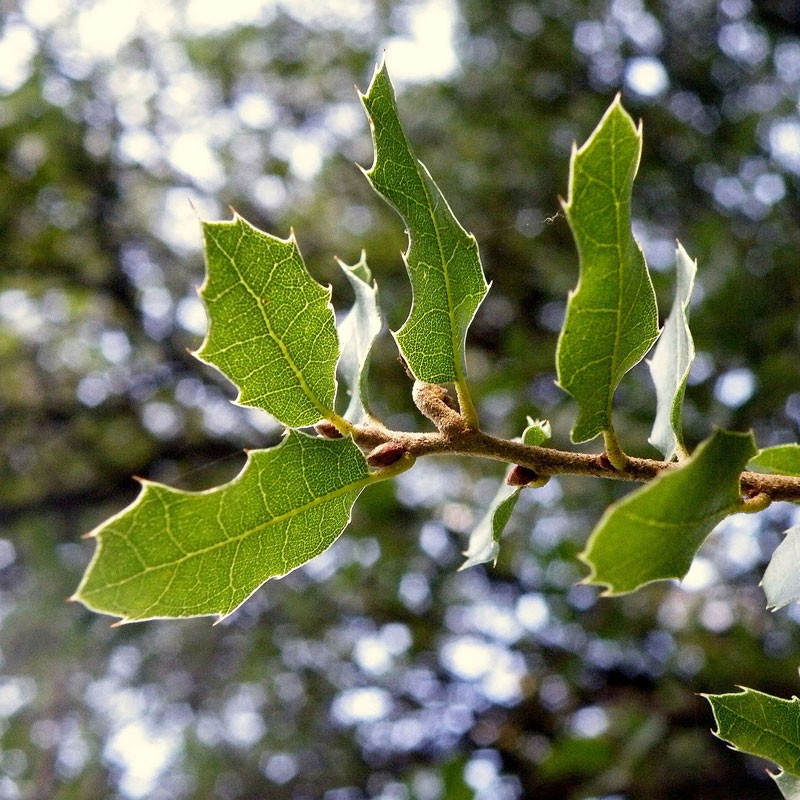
654 532
762 725
672 360
357 332
173 553
271 326
611 320
781 580
442 259
783 459
484 542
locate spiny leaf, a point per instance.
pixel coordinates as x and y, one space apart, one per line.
783 459
271 326
442 259
654 532
672 360
173 553
611 320
781 580
484 542
357 332
762 725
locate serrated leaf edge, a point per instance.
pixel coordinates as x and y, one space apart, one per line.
291 240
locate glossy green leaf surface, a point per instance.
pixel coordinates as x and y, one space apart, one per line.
271 326
484 542
654 532
611 320
442 259
762 725
783 459
672 360
173 553
357 332
781 581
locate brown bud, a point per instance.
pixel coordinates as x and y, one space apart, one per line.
520 476
327 430
605 461
386 454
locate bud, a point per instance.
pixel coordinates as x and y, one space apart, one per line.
386 454
605 461
520 476
327 430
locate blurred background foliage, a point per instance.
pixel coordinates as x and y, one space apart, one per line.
379 671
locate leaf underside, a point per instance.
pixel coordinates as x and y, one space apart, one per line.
442 259
762 725
484 541
781 581
271 325
654 532
672 360
788 784
173 553
611 320
357 332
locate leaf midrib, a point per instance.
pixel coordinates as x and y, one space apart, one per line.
276 520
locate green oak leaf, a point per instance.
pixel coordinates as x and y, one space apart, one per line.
611 320
672 360
653 533
271 325
174 553
357 332
484 541
781 581
783 459
442 259
763 725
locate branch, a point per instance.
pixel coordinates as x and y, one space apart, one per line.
456 437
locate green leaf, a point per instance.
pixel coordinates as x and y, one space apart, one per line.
788 784
442 259
611 320
654 532
357 332
762 725
271 326
537 432
173 553
672 360
783 459
781 579
484 542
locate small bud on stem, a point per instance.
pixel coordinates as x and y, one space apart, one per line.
386 454
520 476
327 430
